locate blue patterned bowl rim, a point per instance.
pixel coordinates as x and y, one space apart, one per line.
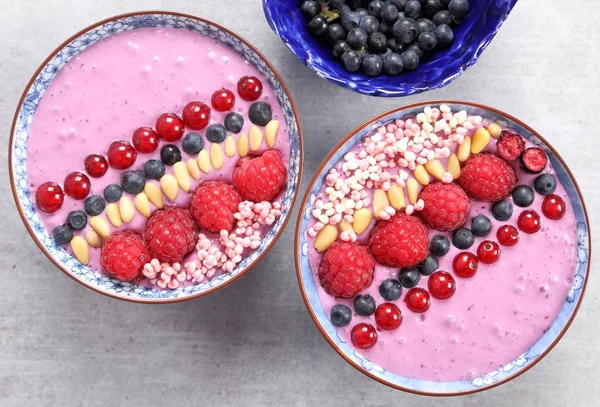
28 104
510 370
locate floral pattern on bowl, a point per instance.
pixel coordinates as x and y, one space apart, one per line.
22 124
511 369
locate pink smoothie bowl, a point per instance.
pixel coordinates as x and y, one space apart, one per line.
472 341
237 57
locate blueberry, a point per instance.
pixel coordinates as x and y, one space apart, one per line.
339 48
113 192
317 25
463 238
545 184
335 32
432 6
94 205
353 4
217 133
444 34
372 65
414 47
192 143
62 234
390 289
400 4
364 54
351 61
502 210
442 17
405 30
364 305
385 53
389 13
394 45
336 4
375 7
234 122
344 8
259 113
341 315
425 25
411 60
369 24
76 220
377 43
350 20
481 225
361 11
458 8
439 245
409 277
523 196
413 9
357 38
133 182
310 8
170 154
429 265
427 41
153 169
393 64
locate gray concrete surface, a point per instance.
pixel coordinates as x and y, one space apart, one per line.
254 343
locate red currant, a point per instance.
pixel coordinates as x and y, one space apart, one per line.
388 316
249 88
529 221
49 197
441 285
554 207
196 115
170 126
121 155
364 336
77 185
465 265
488 252
145 140
417 300
507 235
95 165
223 100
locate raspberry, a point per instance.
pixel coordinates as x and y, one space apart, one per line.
446 206
124 254
488 178
261 178
346 269
213 205
170 234
401 241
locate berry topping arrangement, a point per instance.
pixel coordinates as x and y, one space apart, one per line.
217 191
420 222
384 37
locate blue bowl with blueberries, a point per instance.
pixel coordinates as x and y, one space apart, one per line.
387 48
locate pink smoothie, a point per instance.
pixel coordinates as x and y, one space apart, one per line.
124 82
493 317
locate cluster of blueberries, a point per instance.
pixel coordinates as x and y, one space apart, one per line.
384 37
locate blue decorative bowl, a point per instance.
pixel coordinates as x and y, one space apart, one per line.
438 70
26 111
511 369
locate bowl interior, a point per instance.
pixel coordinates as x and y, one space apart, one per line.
441 68
26 112
510 370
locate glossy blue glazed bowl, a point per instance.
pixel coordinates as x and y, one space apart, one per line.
511 369
438 70
25 113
